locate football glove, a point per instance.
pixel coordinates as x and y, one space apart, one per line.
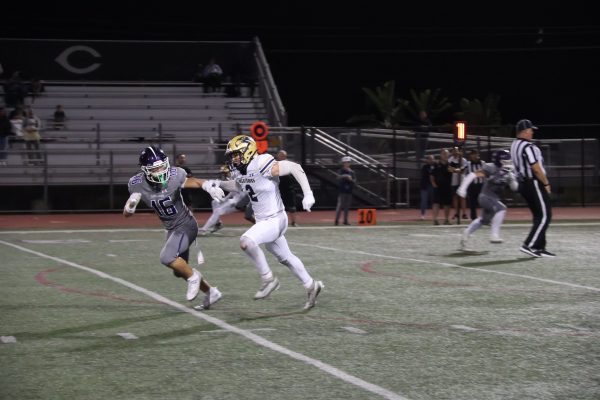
212 187
132 202
308 201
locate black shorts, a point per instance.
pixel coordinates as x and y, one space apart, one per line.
442 196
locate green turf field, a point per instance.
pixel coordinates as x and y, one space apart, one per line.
92 314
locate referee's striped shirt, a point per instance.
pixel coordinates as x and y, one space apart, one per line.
475 166
524 154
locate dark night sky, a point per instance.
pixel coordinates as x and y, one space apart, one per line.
321 54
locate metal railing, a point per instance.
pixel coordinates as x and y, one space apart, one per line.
268 89
386 163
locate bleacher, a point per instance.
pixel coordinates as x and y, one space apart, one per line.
108 124
179 109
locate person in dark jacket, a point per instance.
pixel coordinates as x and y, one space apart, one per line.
426 186
346 181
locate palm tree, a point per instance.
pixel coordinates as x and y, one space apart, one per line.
483 116
428 100
386 108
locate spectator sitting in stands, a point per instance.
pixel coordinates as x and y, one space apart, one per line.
59 118
17 120
213 75
32 136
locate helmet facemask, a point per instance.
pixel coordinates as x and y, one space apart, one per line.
159 172
240 151
508 165
502 160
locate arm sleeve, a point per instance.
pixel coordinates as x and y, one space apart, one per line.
288 167
230 186
467 181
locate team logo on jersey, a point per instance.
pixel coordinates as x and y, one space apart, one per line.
135 180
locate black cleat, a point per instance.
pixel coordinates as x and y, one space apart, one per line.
546 253
530 251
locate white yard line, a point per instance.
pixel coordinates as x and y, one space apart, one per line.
448 265
352 329
464 328
127 335
338 373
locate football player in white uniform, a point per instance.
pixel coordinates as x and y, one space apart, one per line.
258 176
159 186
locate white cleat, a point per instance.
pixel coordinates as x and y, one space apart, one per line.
217 227
267 288
496 239
313 292
210 298
193 285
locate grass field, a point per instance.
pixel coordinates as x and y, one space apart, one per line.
91 314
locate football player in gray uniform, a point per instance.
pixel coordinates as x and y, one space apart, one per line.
498 175
159 186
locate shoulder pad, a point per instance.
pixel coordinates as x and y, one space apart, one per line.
136 179
264 162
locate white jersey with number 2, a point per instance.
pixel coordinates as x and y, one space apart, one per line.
261 187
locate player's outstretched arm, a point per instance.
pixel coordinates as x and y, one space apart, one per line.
210 186
284 167
131 204
462 189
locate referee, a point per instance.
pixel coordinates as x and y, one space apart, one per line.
533 186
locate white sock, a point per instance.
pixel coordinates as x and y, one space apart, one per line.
497 222
255 253
280 249
299 270
473 226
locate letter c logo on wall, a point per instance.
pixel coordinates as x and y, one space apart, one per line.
63 60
